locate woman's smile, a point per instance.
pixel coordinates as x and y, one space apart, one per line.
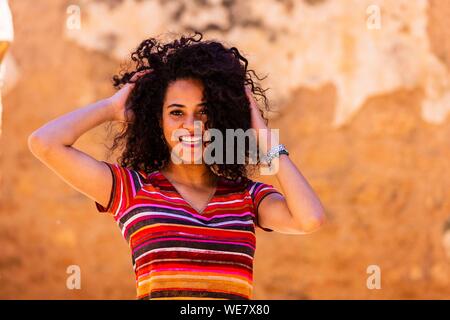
191 141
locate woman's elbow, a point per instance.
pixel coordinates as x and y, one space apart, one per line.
318 221
313 223
37 144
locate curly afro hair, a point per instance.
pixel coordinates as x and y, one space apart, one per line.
224 74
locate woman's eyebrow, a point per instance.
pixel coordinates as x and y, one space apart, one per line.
182 105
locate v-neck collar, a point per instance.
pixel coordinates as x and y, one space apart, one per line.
211 197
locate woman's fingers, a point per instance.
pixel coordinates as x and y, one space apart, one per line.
248 91
120 98
139 74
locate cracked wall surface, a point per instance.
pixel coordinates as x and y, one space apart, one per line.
299 43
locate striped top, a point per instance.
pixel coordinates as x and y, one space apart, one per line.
178 253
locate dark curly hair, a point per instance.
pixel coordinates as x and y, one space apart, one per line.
224 74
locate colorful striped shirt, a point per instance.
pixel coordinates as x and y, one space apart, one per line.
178 253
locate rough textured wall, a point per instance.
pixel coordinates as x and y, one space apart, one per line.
363 111
305 43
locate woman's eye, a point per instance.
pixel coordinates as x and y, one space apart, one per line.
176 113
180 113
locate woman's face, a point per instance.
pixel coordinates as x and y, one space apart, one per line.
183 106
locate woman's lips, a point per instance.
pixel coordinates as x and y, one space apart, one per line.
192 144
191 141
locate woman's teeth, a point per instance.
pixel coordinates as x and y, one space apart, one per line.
190 139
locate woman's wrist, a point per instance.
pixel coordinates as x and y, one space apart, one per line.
265 141
110 109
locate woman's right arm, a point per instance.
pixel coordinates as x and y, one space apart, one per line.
52 145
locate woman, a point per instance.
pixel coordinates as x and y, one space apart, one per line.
190 224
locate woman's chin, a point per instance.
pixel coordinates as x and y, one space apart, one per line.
196 157
189 154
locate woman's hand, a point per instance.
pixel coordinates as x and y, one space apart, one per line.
119 99
263 138
257 119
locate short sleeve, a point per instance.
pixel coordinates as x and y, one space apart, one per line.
258 191
126 183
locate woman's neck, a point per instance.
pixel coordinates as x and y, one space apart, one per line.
190 174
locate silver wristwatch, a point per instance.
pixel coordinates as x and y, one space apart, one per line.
275 152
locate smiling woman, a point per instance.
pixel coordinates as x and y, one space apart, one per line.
184 106
190 225
184 74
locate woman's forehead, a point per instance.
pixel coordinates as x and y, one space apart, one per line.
185 84
184 92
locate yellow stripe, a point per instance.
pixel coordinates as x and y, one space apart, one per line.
223 284
176 274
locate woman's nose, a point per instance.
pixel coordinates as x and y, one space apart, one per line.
192 123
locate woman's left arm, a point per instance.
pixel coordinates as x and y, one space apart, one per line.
299 211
